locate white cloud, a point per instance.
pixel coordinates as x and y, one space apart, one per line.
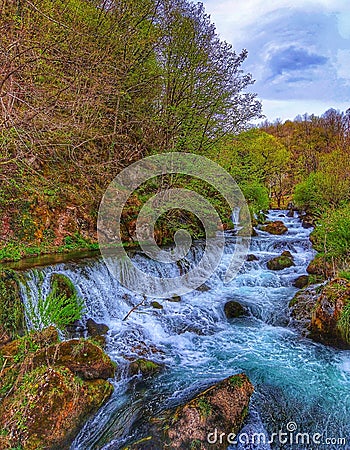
343 65
288 110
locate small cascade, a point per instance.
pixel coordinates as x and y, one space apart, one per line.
296 380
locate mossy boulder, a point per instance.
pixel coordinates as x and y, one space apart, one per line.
277 227
301 281
48 407
144 367
203 288
82 357
222 406
323 312
320 266
49 388
281 262
301 307
12 320
156 305
233 309
97 331
330 322
62 285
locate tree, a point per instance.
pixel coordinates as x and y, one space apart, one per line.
202 82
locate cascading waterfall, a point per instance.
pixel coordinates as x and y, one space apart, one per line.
296 380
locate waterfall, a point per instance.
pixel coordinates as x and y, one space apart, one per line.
296 380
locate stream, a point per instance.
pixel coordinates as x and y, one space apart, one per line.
296 380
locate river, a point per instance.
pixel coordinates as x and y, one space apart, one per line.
296 380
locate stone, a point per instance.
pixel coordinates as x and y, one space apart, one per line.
145 367
252 258
156 305
203 288
330 321
301 281
82 357
52 405
277 227
320 266
234 309
281 262
174 299
222 407
96 329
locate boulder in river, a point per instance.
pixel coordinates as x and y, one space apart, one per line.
281 262
323 312
320 266
234 309
330 322
252 257
301 281
198 424
144 367
277 227
51 389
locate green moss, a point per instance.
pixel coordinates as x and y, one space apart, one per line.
343 323
11 306
236 381
204 407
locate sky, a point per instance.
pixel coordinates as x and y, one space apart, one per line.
298 51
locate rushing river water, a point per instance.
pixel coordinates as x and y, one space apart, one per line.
298 383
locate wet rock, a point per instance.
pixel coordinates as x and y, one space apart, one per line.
82 357
301 281
320 266
277 227
253 435
290 213
330 322
156 305
254 233
96 329
323 312
52 405
203 288
144 367
174 299
61 284
281 262
44 403
252 258
222 407
234 309
301 307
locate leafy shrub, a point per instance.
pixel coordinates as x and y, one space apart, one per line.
57 309
332 233
256 195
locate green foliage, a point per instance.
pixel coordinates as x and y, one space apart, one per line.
236 381
256 195
327 187
332 233
11 306
344 274
204 407
343 323
57 309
